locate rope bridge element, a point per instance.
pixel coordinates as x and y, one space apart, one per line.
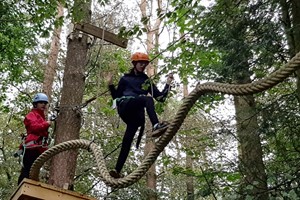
201 89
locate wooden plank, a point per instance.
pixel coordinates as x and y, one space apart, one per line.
33 190
99 33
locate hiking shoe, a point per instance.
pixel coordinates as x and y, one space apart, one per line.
116 174
159 129
159 126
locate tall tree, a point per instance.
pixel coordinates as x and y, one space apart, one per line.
296 35
51 67
190 190
291 23
237 56
68 124
152 41
252 168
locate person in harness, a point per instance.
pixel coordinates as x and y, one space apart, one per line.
132 98
35 142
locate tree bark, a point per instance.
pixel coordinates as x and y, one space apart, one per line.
287 24
189 160
291 23
51 67
151 177
250 150
296 35
69 120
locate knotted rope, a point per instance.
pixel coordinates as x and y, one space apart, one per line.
201 89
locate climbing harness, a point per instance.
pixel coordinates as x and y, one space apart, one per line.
40 143
120 100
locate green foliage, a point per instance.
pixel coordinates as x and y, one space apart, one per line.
214 44
114 61
135 31
9 166
22 23
281 133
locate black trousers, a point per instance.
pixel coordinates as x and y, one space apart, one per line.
30 156
132 112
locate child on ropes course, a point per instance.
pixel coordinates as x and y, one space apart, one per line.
131 99
35 142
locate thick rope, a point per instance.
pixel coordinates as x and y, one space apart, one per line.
201 89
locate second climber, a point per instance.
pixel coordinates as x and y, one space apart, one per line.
35 143
132 97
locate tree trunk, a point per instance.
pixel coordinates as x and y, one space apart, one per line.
250 150
69 120
51 67
291 22
287 24
296 23
189 159
296 35
151 177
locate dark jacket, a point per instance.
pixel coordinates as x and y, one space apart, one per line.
134 85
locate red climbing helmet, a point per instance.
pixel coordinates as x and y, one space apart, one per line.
139 56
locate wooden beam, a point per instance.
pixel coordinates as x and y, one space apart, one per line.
33 190
99 33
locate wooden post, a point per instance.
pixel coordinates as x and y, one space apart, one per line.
102 34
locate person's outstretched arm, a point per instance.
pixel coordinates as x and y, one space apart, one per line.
161 95
115 93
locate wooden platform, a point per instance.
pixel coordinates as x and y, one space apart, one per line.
33 190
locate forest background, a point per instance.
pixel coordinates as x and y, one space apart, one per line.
252 153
